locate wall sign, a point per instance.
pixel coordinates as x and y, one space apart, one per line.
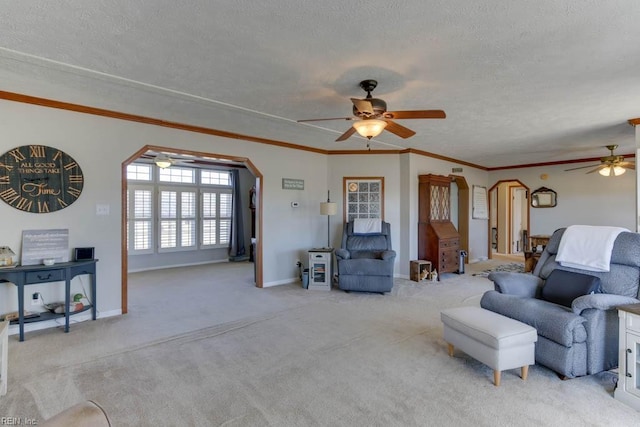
39 179
292 184
480 209
38 245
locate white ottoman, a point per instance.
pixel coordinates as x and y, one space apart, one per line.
495 340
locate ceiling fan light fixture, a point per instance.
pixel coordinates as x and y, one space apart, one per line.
162 161
612 171
369 128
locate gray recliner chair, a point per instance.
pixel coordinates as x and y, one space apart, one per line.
577 336
365 261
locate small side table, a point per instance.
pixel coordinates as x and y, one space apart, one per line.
320 271
628 390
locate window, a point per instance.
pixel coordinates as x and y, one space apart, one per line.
216 217
191 210
364 198
177 175
140 219
177 219
139 172
215 177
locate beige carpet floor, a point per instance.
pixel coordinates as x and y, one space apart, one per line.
202 347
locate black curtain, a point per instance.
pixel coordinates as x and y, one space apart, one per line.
236 243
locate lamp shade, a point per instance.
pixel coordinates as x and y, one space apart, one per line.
328 208
370 128
612 171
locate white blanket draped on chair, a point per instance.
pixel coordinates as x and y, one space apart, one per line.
587 247
367 225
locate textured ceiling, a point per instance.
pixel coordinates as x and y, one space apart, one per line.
521 81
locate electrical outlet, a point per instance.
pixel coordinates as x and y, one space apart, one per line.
35 298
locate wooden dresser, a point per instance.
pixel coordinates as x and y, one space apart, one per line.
438 239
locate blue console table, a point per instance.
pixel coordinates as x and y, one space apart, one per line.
22 276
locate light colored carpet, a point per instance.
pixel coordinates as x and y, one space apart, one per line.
203 347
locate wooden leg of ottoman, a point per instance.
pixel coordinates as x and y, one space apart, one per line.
524 371
450 349
496 378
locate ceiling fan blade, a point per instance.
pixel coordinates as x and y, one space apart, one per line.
332 118
347 134
628 165
415 114
399 130
581 167
363 105
598 168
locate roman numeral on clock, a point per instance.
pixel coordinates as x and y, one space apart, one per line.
37 150
9 195
70 166
74 192
24 204
17 155
43 207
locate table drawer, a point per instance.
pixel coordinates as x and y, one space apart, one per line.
44 276
319 256
633 322
450 243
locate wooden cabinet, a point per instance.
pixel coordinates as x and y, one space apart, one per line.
628 390
438 239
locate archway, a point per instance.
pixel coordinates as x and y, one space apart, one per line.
123 215
502 211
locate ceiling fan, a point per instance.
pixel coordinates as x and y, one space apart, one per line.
610 165
163 160
370 116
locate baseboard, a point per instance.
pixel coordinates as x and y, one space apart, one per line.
190 264
281 282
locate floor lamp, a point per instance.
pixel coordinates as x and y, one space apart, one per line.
328 208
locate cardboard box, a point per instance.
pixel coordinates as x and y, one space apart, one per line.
418 268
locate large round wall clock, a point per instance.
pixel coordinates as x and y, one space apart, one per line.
39 179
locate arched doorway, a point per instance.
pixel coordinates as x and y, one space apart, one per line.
196 154
508 218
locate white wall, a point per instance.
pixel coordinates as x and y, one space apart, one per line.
588 199
100 145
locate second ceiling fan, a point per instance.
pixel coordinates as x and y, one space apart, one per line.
371 117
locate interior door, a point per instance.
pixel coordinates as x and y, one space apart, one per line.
518 223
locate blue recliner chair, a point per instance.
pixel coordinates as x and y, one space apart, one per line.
365 261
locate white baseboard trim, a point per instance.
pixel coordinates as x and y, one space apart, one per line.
59 322
281 282
189 264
